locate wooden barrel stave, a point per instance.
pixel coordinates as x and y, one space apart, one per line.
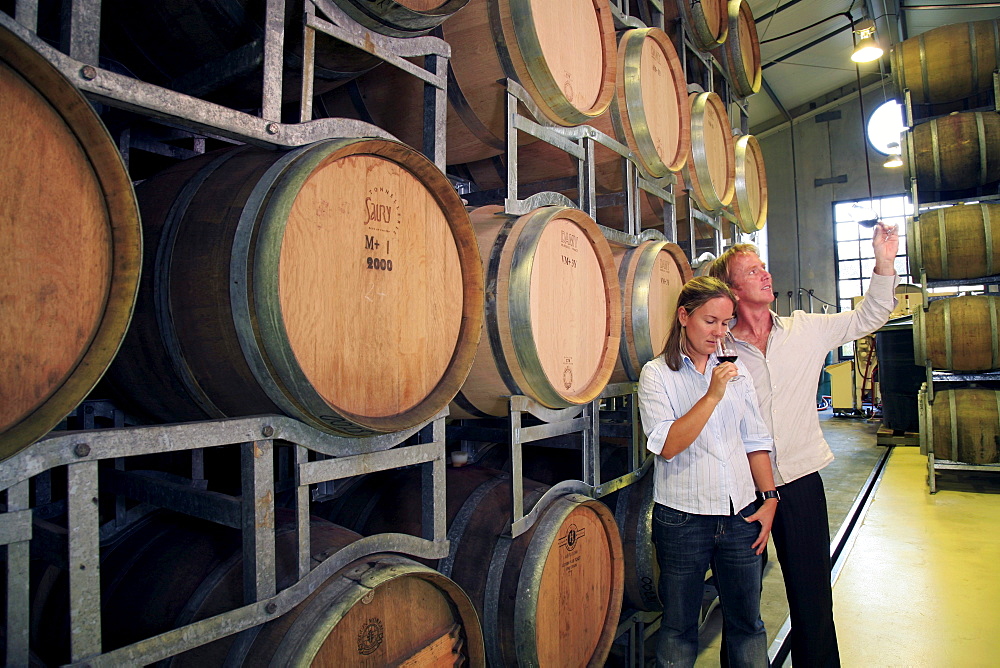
947 64
958 334
707 20
71 229
521 587
554 316
268 346
740 54
650 114
562 54
710 171
633 509
749 202
957 152
650 276
956 242
964 425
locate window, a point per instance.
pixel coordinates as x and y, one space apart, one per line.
853 251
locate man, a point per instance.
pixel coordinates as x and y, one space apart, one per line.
785 356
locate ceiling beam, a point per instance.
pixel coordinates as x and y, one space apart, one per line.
789 122
967 5
766 87
782 8
807 46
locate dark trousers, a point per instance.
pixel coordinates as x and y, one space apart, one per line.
801 533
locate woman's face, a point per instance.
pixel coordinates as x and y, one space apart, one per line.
705 325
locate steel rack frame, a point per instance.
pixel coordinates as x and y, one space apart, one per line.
584 420
938 378
934 465
636 628
333 458
711 67
580 143
200 116
252 512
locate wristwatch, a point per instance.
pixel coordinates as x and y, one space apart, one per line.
772 494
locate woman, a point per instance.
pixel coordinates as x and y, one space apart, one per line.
701 419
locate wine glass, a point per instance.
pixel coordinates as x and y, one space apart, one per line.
726 351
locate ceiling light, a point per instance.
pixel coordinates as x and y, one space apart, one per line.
867 49
894 159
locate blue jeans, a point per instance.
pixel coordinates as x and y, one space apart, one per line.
686 545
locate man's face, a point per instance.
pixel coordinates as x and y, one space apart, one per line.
751 282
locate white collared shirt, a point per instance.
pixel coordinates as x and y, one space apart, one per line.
713 471
786 378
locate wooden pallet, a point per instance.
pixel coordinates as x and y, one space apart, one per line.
888 436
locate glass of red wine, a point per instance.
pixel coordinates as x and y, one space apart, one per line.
726 351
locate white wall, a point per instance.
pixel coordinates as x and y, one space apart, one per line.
800 214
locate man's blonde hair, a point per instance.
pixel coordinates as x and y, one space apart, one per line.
720 267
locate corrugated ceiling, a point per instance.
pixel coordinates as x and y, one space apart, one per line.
804 64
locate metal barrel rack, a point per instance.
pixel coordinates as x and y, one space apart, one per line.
937 379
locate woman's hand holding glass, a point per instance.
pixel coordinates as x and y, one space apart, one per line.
727 354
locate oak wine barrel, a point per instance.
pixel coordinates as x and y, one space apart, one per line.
633 509
553 319
957 152
710 172
562 53
749 203
72 241
650 114
632 506
400 18
949 63
963 425
339 283
956 242
707 20
550 596
170 570
740 54
958 333
651 276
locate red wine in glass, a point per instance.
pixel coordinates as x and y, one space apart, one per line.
725 351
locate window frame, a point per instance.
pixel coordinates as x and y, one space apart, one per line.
842 222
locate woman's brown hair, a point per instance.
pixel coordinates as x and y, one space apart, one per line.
694 294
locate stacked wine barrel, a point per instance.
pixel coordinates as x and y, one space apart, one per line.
946 75
345 285
70 225
952 158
